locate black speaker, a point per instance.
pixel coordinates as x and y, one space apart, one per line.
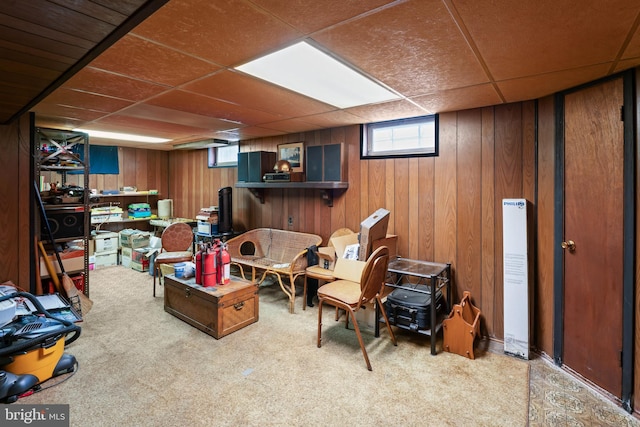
324 162
225 222
260 162
65 223
243 167
314 163
332 170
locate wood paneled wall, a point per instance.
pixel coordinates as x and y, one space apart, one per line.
446 208
16 246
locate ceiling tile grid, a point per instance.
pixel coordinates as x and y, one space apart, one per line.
172 74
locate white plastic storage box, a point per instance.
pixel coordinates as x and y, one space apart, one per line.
106 242
207 228
106 259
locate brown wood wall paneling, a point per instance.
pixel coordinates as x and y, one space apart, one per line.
469 203
15 162
445 200
488 255
543 291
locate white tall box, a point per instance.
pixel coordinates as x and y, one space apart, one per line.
517 296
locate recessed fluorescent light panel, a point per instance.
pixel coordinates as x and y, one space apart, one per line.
122 136
307 70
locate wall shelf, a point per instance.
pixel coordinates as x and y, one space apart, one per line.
327 188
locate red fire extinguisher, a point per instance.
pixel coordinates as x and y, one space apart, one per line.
225 259
209 268
218 263
199 265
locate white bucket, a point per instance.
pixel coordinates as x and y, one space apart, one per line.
165 208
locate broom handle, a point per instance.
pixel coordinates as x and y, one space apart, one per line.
47 226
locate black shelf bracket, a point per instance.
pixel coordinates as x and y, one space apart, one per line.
327 196
258 193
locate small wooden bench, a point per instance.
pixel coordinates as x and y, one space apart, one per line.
272 251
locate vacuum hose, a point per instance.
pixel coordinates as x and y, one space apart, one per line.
70 327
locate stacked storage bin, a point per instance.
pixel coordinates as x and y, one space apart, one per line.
106 249
135 243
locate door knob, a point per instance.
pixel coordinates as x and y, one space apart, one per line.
569 244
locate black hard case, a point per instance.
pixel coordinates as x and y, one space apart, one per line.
406 307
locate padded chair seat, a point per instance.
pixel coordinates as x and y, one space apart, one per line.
343 290
319 273
173 257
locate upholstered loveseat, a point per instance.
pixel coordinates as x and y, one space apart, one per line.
269 251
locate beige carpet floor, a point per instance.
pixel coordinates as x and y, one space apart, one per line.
140 366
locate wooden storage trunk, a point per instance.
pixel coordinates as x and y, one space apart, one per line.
218 310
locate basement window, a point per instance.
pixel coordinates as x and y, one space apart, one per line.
413 137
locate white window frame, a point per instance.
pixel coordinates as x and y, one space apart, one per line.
223 157
392 145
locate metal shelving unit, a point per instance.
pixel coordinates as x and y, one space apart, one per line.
56 154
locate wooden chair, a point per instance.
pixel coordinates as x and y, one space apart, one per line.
319 273
177 240
351 296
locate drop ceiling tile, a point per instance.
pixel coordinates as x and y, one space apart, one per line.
205 106
108 84
80 114
290 126
333 119
168 115
86 100
459 99
142 126
250 132
529 37
57 122
387 111
308 16
546 84
141 59
227 32
413 47
252 93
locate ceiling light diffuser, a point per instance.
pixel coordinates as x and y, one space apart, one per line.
122 136
307 70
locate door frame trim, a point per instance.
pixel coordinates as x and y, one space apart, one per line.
628 224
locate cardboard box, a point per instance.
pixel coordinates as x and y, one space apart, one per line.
134 238
106 259
327 257
71 261
140 266
125 257
348 269
371 229
106 242
341 243
391 242
141 254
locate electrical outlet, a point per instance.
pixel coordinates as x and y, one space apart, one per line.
290 221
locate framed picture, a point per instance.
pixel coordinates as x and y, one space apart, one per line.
294 154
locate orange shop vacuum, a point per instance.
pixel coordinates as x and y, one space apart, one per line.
32 349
